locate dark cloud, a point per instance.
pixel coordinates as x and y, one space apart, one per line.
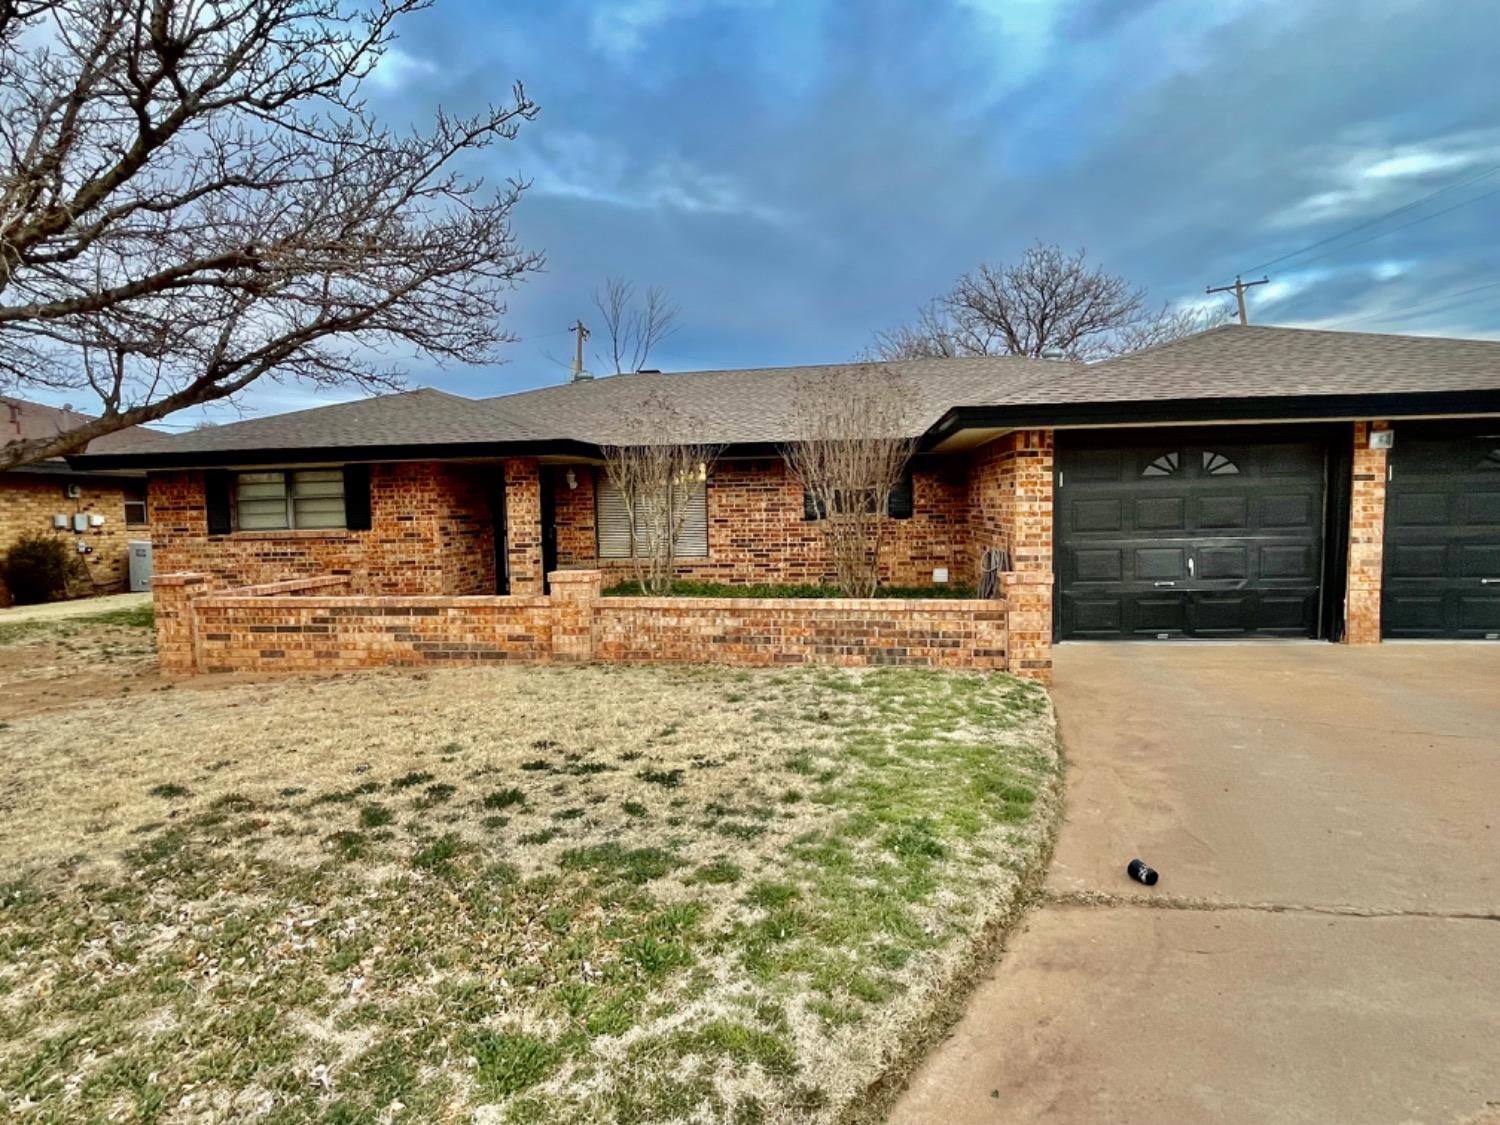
800 175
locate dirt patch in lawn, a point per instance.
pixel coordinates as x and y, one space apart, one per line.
49 664
530 894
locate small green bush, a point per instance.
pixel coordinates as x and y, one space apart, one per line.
37 568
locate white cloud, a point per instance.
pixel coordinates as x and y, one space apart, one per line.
1027 33
578 165
621 28
396 68
1369 179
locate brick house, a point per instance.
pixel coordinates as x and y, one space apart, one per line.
110 505
1244 482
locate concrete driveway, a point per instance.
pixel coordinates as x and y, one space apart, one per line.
1324 944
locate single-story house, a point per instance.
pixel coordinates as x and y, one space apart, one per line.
1243 482
98 513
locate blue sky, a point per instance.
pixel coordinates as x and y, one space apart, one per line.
799 175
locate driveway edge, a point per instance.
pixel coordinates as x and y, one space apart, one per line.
983 956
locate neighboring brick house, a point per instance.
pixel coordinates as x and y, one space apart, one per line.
1233 484
111 506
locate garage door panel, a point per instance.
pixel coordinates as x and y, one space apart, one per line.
1224 513
1418 560
1297 562
1479 615
1099 564
1156 564
1225 523
1442 534
1290 512
1097 515
1161 513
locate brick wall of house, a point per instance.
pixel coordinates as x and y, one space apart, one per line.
757 531
28 501
1366 538
430 533
1010 498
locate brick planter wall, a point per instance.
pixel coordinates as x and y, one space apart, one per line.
296 626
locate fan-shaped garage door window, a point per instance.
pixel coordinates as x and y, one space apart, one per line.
1163 466
1217 465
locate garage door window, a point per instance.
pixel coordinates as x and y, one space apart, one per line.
1218 465
1164 466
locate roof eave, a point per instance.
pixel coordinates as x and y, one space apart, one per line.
430 451
1401 404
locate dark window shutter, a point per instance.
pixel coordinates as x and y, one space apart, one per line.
357 497
216 499
899 505
810 506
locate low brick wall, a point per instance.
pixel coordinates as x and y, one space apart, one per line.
306 625
765 631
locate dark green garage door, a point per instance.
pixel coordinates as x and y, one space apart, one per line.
1442 534
1179 537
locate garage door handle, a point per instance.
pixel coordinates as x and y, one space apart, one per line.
1489 581
1173 583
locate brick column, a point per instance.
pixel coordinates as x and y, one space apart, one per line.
1366 538
1030 515
176 640
574 593
1028 624
523 525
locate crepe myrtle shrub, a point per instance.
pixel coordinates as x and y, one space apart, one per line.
39 568
194 194
852 440
660 474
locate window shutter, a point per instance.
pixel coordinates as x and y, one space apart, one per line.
692 543
899 505
216 499
357 497
809 506
612 520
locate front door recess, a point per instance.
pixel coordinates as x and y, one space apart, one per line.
1442 533
1189 534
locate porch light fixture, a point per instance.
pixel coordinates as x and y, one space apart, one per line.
572 479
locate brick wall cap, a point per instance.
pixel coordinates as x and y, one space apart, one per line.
183 578
730 605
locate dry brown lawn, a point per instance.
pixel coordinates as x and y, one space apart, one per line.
511 894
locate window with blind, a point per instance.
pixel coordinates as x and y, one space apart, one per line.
612 521
296 500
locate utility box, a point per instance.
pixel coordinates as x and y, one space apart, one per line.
140 565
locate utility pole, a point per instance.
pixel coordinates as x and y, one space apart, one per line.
1239 288
583 334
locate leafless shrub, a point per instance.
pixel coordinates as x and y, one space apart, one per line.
852 443
659 474
634 326
194 196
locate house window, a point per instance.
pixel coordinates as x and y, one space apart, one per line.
135 505
898 505
304 499
612 521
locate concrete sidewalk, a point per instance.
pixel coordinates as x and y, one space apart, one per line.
1325 941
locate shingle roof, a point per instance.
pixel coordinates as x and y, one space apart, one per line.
755 405
21 420
1235 361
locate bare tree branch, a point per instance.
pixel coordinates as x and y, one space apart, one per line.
1050 303
659 475
633 327
194 196
853 442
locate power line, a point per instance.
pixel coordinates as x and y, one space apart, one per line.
1430 305
1403 226
1475 178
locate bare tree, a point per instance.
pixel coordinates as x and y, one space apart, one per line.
1050 303
659 476
634 326
852 442
194 196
